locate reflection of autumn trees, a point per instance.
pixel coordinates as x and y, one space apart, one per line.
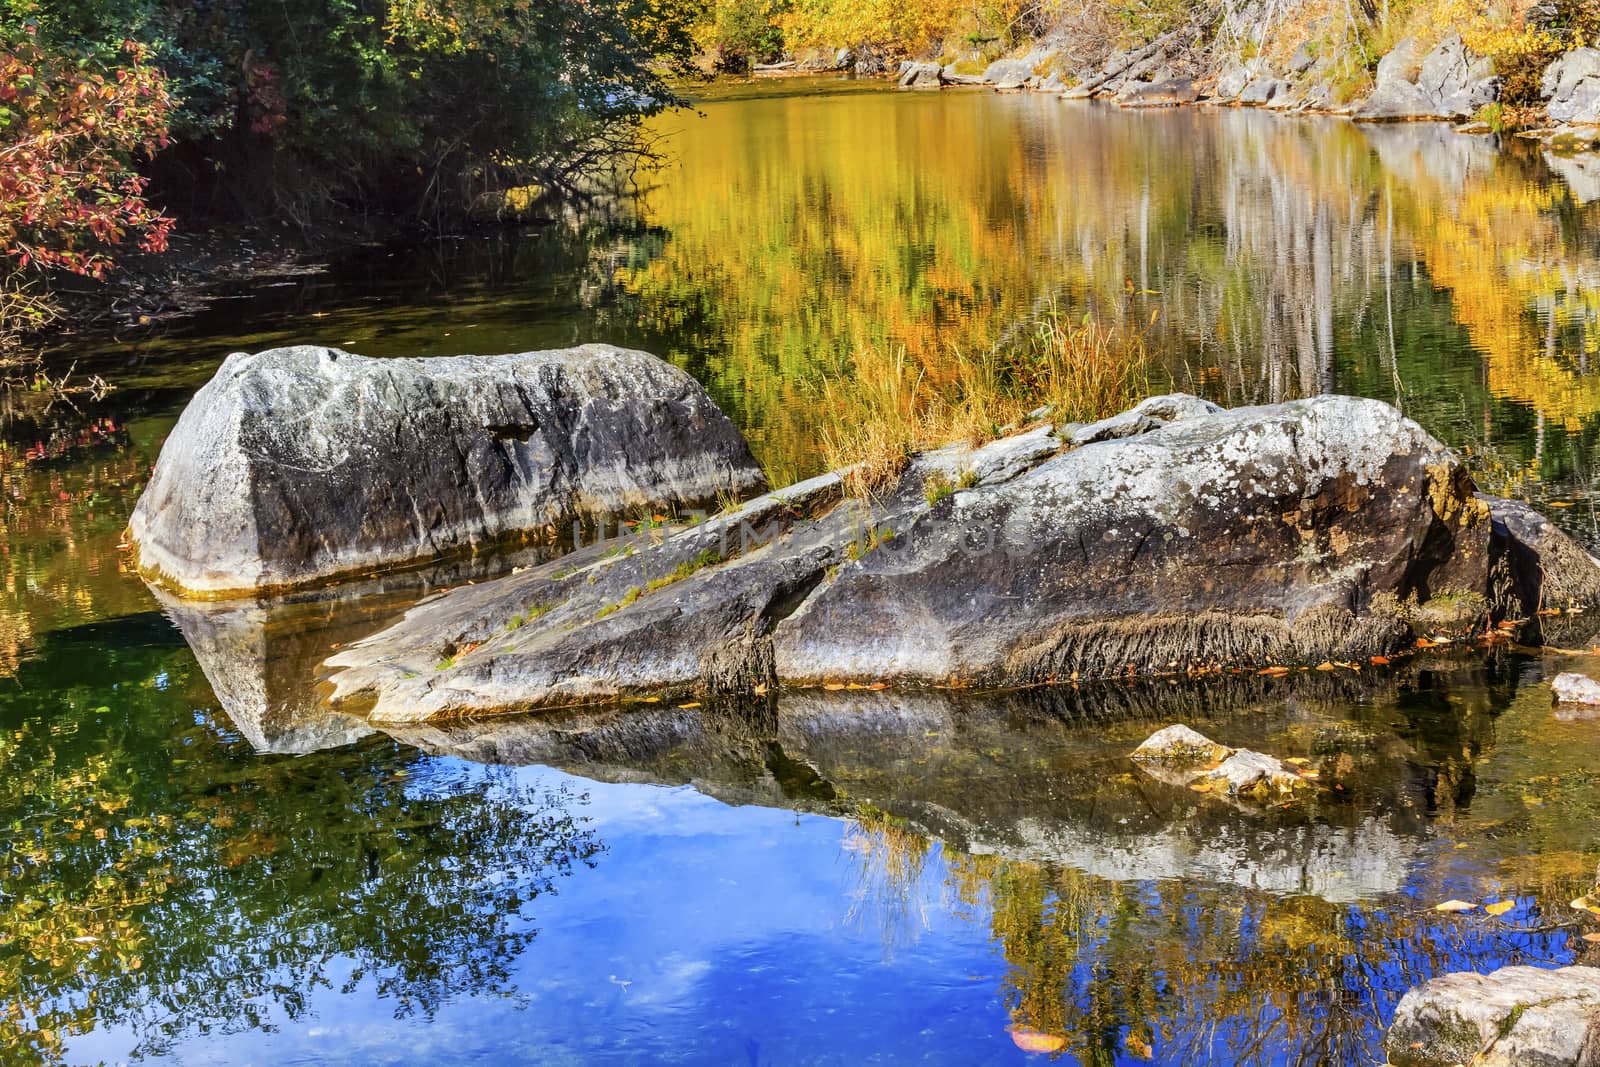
1264 258
63 505
1197 972
159 877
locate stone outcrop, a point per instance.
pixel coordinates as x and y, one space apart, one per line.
1513 1016
1571 87
298 465
1177 537
1449 82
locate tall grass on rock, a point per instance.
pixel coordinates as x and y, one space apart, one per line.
885 408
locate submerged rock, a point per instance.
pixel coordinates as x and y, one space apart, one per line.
1513 1016
1254 775
298 465
1572 688
1177 537
1179 745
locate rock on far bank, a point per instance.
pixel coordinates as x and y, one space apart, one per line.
1175 538
1449 82
1571 87
298 465
1513 1017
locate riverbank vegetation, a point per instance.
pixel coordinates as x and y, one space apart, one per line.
886 407
115 118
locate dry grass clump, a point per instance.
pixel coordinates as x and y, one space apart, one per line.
885 409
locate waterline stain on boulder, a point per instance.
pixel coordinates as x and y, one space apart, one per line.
299 465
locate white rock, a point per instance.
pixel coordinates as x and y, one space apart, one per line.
1571 688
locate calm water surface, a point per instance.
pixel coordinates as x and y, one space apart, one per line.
197 866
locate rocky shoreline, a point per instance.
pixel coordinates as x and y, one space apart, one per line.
1445 83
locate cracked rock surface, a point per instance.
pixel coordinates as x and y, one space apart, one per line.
1177 537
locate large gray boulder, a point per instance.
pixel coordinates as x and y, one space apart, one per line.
1449 82
299 465
1175 538
1513 1017
1571 87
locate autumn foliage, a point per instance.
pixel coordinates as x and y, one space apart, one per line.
70 131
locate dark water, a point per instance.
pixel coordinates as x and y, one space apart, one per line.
198 867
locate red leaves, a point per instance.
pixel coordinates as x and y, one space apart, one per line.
68 137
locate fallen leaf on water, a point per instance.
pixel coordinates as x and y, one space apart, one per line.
691 704
1380 661
1324 666
1276 672
1535 801
1462 844
1499 907
1297 761
1034 1041
833 687
760 690
1454 905
876 686
1591 937
1423 642
1201 787
1561 503
1309 773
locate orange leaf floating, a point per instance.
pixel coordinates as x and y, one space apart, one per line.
1324 666
1276 672
1034 1041
1500 907
1591 937
1380 661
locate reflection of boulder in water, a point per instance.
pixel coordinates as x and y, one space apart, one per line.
261 656
259 661
1041 776
1580 172
1430 150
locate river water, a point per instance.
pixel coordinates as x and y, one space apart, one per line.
200 868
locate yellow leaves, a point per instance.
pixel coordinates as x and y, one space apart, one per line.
1036 1041
1586 904
1273 672
1500 907
1454 906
